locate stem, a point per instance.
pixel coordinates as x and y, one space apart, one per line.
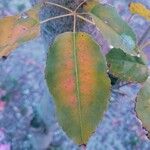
79 5
145 45
120 86
129 19
83 146
87 20
74 24
60 6
144 36
73 13
57 17
118 92
84 13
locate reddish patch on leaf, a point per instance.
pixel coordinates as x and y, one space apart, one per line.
73 101
69 84
18 32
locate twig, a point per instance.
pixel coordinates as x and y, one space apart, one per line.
124 84
118 92
84 13
145 45
85 19
60 6
129 19
144 35
79 5
74 24
73 13
57 17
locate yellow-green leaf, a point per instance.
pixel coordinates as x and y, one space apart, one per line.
116 31
140 9
77 78
143 105
15 30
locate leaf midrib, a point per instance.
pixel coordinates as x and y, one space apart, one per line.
127 61
77 84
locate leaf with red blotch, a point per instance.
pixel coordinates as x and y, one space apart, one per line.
15 30
76 74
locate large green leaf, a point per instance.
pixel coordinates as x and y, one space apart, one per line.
15 30
143 105
116 31
127 67
77 79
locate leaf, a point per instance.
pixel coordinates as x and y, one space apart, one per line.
127 67
143 105
116 31
18 29
76 77
140 9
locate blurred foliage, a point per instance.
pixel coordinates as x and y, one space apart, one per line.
140 9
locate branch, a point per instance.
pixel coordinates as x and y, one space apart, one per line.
130 18
145 45
122 85
85 19
84 13
119 92
80 5
144 36
74 24
57 17
60 6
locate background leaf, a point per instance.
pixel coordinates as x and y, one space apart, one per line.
143 105
127 67
76 77
140 9
116 31
18 29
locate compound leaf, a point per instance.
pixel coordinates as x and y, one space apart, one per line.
116 31
77 78
18 29
143 105
127 67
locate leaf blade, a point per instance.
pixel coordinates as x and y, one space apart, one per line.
16 30
116 31
143 105
126 67
91 76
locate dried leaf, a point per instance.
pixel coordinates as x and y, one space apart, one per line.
77 78
18 29
140 9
